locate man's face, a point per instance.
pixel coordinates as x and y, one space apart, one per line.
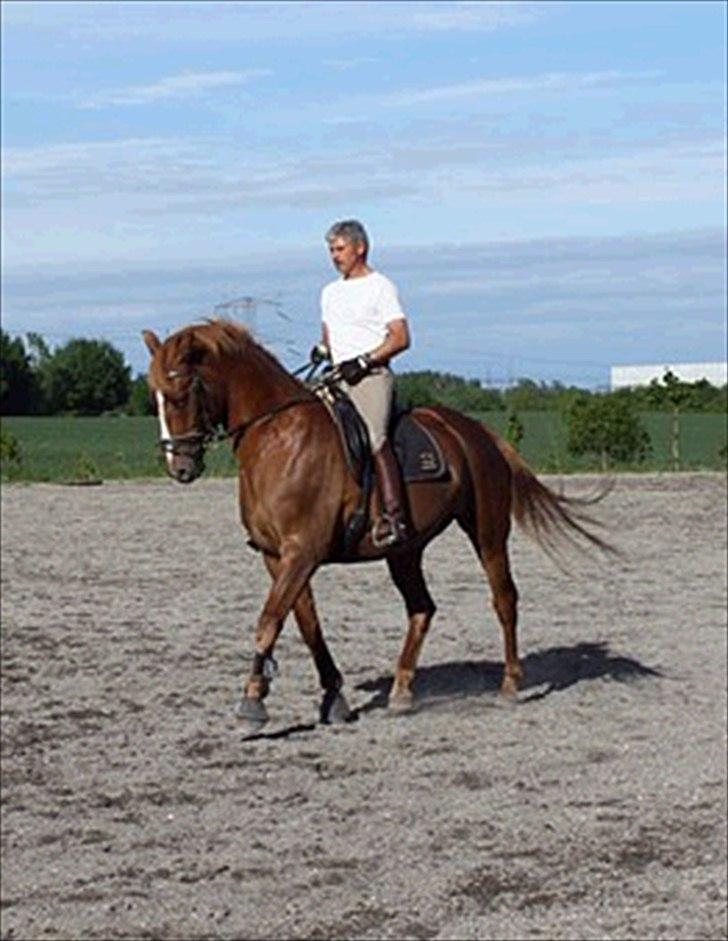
347 256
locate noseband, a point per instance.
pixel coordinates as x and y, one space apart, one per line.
192 442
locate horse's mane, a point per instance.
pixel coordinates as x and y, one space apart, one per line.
219 337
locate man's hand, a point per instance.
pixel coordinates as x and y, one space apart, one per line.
354 370
318 354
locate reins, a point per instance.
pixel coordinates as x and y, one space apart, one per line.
330 378
238 433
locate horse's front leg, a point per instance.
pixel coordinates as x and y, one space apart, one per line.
292 572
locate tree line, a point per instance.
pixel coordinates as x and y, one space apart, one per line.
527 395
91 377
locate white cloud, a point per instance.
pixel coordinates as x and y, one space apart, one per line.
187 85
474 16
495 87
355 62
141 178
676 173
103 167
250 22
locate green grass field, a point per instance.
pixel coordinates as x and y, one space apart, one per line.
56 449
83 448
702 437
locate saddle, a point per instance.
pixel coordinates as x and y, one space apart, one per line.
418 453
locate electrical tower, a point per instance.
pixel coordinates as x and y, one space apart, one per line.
245 309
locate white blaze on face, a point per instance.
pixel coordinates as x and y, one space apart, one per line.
163 428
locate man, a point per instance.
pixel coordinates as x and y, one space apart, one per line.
364 327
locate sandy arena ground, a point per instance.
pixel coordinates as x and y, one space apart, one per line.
133 806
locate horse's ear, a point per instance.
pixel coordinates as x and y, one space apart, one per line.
152 341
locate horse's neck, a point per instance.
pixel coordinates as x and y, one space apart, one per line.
255 387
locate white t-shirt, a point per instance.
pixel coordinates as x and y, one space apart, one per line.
356 312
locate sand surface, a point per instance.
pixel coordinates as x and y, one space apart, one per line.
133 806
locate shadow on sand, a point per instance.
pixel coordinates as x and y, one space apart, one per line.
556 669
544 672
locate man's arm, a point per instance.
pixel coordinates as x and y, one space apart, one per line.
396 341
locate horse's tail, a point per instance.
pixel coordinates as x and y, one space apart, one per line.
548 517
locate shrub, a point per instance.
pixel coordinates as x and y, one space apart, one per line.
11 455
606 426
514 429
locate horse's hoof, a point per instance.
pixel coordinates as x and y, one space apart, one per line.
509 694
251 713
400 703
335 709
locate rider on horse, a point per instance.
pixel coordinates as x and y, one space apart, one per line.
364 327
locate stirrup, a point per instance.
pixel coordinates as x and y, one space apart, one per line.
395 531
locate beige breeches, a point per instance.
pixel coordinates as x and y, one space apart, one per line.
373 400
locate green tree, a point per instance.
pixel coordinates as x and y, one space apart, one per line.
607 426
86 377
19 390
415 388
140 398
432 388
514 428
529 396
677 396
38 350
40 357
11 454
525 396
700 396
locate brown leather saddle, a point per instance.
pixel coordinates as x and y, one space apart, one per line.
418 453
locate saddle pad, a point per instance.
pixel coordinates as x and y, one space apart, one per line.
418 453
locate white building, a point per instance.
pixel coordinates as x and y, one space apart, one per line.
621 376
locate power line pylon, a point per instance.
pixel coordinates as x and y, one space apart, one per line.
246 309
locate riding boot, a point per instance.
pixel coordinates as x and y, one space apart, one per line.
391 528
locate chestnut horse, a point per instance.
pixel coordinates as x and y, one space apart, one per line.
297 493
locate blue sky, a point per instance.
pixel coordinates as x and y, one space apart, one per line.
544 181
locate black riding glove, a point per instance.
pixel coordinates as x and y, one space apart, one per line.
354 370
318 354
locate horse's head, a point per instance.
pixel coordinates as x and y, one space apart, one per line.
187 412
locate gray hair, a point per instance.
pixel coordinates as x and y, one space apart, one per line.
349 229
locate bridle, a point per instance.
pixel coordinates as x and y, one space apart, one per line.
193 443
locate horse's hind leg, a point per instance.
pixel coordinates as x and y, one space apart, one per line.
334 707
505 602
492 551
406 572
